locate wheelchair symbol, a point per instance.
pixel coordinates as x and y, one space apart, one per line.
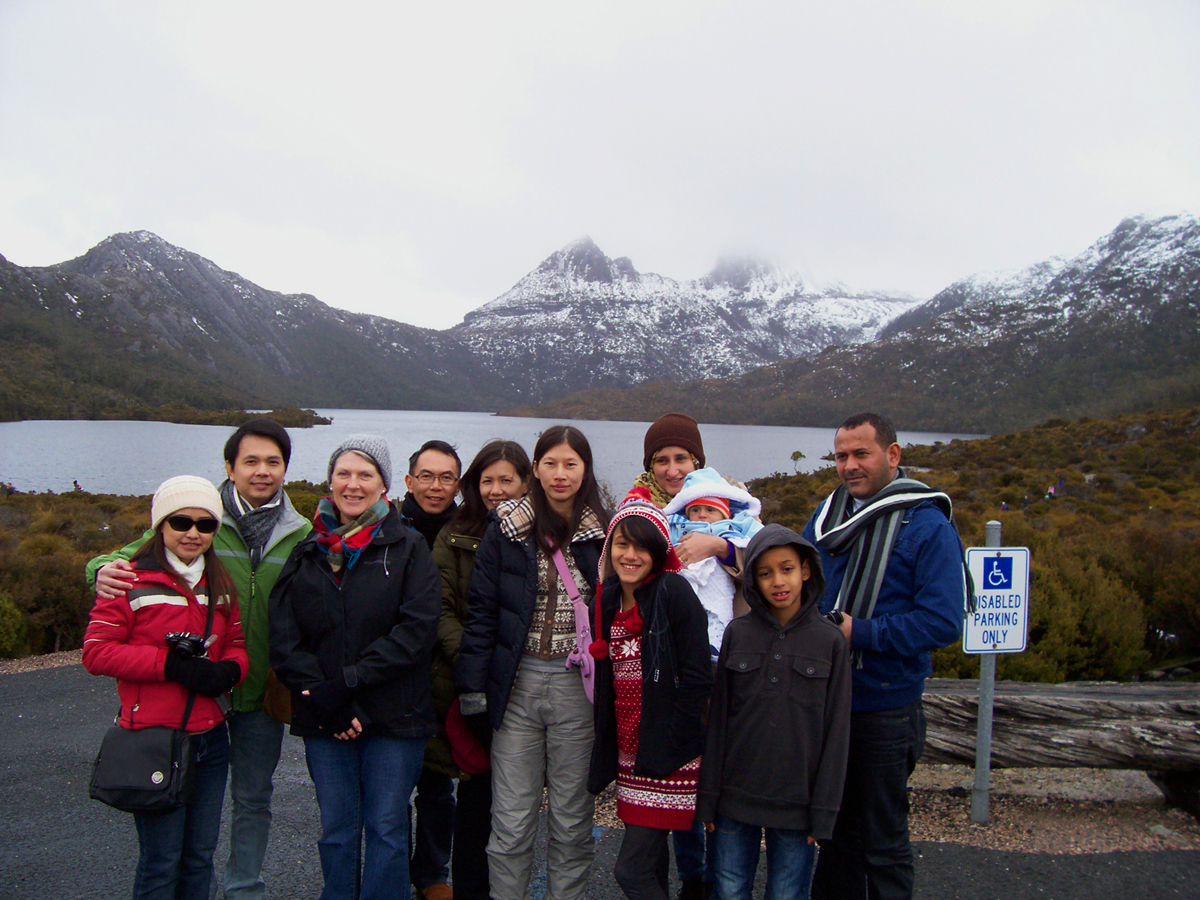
999 573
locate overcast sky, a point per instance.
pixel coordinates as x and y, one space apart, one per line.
414 160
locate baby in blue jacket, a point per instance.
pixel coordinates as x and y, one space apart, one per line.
710 504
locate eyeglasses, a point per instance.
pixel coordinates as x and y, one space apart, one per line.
446 479
185 523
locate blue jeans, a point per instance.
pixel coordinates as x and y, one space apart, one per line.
255 740
695 854
789 861
363 786
175 849
870 855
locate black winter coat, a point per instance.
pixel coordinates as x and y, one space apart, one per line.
375 628
500 601
779 724
676 680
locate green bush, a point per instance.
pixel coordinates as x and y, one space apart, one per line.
12 629
1116 557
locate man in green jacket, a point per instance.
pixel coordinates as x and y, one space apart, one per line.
258 531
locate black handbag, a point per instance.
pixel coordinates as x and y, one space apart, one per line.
147 770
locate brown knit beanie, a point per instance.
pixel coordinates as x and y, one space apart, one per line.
673 430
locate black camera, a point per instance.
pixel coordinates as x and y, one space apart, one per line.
835 617
191 644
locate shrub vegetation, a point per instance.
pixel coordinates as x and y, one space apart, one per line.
1115 580
1111 513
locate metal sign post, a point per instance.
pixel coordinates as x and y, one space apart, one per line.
998 624
987 698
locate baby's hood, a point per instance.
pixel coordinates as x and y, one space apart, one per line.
708 482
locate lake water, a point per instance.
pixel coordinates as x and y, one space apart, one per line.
135 457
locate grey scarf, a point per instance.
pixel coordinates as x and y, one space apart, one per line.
253 524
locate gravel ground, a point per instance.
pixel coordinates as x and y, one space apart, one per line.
45 661
1061 811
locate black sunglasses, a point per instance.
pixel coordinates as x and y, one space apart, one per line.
184 523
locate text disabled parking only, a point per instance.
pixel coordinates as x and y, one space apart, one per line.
1000 621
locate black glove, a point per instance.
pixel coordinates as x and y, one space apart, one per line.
481 728
201 674
331 704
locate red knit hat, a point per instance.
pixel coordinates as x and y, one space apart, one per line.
636 503
719 503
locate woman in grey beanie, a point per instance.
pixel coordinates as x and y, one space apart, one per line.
360 679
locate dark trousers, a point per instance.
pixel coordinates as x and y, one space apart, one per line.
869 855
695 854
175 849
434 831
643 863
472 828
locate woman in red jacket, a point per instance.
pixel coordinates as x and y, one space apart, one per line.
177 576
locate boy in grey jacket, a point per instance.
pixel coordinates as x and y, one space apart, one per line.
779 723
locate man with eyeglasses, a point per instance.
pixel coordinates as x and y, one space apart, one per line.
432 482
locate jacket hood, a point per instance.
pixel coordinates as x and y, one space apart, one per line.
774 535
710 483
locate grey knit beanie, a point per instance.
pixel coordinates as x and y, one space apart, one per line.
373 447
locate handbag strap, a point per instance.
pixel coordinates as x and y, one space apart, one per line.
565 575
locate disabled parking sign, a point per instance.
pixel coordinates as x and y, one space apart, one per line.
1000 621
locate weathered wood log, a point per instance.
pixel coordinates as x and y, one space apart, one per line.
1153 727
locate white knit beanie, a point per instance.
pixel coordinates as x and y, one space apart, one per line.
183 492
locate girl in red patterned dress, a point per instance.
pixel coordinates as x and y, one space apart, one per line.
653 677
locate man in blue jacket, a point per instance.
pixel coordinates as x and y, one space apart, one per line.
894 577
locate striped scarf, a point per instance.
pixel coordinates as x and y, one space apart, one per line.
868 536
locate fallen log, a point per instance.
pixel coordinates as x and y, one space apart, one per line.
1153 727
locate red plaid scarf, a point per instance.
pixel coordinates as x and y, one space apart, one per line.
344 543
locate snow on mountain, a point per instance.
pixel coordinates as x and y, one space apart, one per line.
582 320
1126 276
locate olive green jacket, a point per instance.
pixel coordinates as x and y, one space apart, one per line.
454 555
253 588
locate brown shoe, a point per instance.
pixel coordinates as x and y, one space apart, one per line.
440 891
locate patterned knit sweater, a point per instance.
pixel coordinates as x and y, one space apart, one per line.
651 802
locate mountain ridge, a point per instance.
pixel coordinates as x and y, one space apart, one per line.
582 319
137 321
1113 329
135 299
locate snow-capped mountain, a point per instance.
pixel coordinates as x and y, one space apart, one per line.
583 320
1112 329
1134 276
136 319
